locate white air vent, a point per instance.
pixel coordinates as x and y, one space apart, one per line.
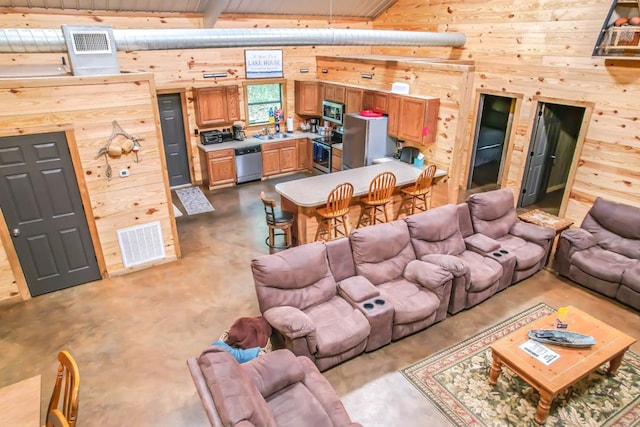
141 244
86 42
92 50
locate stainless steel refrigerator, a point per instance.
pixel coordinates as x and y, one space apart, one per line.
365 139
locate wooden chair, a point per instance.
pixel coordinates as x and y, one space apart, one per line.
277 220
336 213
420 191
67 386
374 204
57 419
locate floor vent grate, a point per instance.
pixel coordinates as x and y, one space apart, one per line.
141 244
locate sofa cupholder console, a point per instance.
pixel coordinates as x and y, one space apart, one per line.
508 262
379 312
380 315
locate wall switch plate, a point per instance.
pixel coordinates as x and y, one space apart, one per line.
124 173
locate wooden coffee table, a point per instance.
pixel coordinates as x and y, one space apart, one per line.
573 363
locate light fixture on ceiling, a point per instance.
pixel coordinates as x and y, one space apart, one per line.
366 76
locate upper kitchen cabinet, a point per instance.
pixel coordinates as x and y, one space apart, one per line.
308 98
393 114
417 119
620 34
376 101
353 100
216 105
334 93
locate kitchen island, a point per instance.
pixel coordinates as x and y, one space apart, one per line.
303 196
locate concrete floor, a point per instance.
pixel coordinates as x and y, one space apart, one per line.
131 335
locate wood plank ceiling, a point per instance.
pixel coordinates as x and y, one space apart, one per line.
350 8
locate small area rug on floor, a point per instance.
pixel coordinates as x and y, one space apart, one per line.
176 212
455 381
194 201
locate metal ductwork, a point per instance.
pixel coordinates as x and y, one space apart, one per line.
20 40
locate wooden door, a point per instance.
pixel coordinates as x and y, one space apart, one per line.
393 114
42 207
307 98
174 140
289 158
233 103
367 100
411 119
270 162
353 100
210 105
380 102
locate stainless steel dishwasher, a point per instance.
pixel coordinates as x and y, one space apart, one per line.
248 163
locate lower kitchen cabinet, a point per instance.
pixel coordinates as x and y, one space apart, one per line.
304 154
218 167
336 160
279 157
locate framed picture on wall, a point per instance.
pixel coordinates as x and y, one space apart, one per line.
263 64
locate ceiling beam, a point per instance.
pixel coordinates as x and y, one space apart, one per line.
212 11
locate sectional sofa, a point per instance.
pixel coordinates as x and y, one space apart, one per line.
332 301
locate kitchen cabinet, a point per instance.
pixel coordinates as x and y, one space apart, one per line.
304 154
218 167
622 40
308 98
279 157
336 160
216 105
353 100
418 119
376 101
393 113
334 93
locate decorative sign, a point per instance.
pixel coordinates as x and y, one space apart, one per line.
263 64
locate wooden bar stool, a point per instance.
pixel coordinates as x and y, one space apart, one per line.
374 205
277 220
420 191
336 213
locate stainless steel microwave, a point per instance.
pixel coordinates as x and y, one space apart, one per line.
332 112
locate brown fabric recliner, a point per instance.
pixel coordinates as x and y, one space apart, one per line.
277 389
493 215
298 296
418 291
604 253
437 238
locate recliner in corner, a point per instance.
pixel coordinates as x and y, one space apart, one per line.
603 254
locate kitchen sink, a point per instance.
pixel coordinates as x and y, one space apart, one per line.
276 136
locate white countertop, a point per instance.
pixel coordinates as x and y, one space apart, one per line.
313 191
251 141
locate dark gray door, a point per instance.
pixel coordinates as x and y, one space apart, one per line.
42 207
175 146
545 135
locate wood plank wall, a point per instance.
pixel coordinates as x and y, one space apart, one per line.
175 70
447 81
542 50
86 106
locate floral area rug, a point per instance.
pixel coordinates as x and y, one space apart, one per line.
455 381
194 201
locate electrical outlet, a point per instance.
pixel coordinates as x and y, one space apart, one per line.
124 173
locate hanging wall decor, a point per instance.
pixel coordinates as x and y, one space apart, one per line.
119 143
